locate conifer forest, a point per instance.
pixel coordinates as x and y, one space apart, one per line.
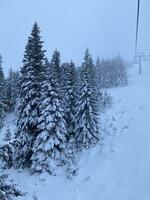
74 100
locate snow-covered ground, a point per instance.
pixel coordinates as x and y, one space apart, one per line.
117 169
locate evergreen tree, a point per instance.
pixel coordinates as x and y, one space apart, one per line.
56 68
29 96
8 190
8 134
6 151
71 164
119 64
111 73
9 90
99 72
70 94
2 94
99 81
6 154
49 145
12 83
87 116
64 78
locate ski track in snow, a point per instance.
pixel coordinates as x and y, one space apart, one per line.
119 169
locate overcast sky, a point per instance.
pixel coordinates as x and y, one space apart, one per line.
106 27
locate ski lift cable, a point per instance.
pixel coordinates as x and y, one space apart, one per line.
137 27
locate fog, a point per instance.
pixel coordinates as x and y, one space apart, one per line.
106 27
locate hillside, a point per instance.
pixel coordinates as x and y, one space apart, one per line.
118 167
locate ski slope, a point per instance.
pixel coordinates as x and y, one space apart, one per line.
116 169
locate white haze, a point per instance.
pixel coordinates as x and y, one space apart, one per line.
107 27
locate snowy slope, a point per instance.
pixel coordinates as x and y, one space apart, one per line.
117 169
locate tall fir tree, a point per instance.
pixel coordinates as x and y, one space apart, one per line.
70 94
98 70
50 144
2 94
29 97
87 133
6 151
99 80
56 68
12 84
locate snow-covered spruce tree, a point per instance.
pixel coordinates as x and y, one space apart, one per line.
8 134
71 164
99 80
8 190
64 77
49 146
102 71
87 133
56 69
6 151
104 99
12 89
9 89
69 93
2 94
29 97
6 154
107 100
98 68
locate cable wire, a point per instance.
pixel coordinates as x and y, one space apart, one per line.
137 27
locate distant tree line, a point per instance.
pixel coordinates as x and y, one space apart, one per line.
111 73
